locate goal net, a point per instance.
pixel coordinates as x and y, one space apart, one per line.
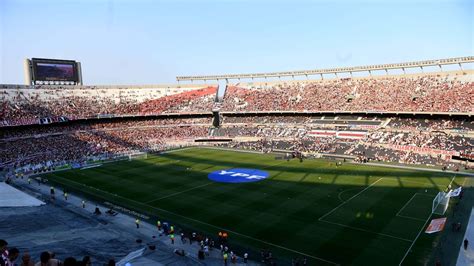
440 203
137 156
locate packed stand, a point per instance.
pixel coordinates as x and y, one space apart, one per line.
435 140
423 94
94 125
45 104
61 144
58 144
424 139
431 124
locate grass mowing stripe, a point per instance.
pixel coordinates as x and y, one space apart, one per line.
409 181
210 225
280 210
179 192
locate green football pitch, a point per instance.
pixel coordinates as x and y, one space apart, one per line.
351 214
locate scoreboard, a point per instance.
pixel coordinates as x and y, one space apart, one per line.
52 71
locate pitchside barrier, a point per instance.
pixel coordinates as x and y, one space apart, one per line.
137 155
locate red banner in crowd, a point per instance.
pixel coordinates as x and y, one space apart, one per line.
351 134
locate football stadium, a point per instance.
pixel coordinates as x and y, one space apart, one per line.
362 164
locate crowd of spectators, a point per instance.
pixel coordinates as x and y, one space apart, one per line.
321 145
399 123
360 152
97 140
201 100
268 119
380 144
12 257
94 125
431 124
29 105
424 139
422 94
63 143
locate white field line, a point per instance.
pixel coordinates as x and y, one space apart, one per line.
367 231
452 179
356 228
210 225
411 218
408 202
413 242
340 193
421 230
200 186
340 205
179 192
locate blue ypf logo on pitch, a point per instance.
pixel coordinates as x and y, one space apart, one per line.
237 175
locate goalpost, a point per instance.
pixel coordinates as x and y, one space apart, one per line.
137 155
440 203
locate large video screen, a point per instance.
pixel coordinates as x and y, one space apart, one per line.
54 70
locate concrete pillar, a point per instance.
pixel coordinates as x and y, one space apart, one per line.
79 73
27 71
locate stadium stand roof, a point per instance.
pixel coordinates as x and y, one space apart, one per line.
369 68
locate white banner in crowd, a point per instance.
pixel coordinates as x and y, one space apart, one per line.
338 134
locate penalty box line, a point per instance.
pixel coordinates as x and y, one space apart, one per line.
208 224
367 231
321 219
421 230
408 202
340 205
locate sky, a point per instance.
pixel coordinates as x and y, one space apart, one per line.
152 42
